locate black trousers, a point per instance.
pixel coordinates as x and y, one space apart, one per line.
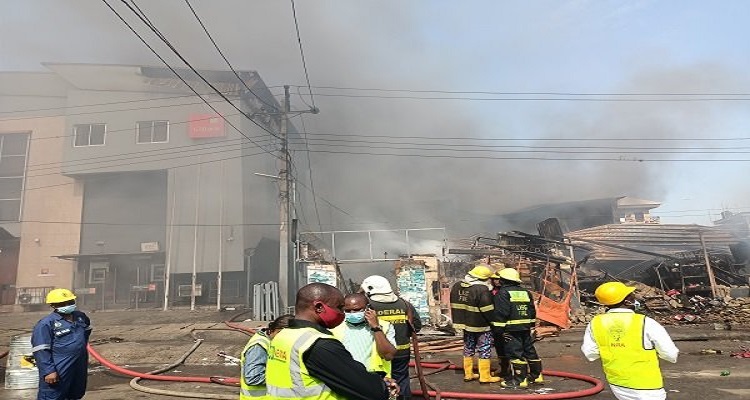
400 373
499 341
519 345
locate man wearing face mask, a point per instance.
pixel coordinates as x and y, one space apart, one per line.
369 339
629 345
59 345
305 360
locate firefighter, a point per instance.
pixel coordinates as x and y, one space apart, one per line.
395 310
514 307
498 331
254 357
629 345
59 345
473 312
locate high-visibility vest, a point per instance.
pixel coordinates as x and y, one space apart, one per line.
376 363
254 392
286 374
396 314
625 361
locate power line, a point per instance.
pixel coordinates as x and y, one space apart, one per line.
142 16
572 99
516 93
145 21
620 159
302 53
168 168
310 172
216 46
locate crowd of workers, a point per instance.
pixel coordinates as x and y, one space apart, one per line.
357 347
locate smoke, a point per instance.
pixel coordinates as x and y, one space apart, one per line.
389 46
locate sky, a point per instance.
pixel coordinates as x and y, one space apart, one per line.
655 88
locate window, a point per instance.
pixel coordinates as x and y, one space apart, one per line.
157 272
89 134
98 272
12 170
152 132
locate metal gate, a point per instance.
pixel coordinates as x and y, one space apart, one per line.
265 301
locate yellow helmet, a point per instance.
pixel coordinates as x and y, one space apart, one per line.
509 274
611 293
59 296
481 271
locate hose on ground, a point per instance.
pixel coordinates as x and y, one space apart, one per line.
124 371
134 382
598 385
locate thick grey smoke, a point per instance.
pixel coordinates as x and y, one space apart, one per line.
384 46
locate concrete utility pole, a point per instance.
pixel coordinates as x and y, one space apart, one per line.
284 184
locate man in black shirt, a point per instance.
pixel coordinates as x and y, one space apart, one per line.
403 316
329 370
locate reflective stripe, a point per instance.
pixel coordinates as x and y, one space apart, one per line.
518 296
41 347
476 329
295 371
520 321
494 323
487 308
253 393
403 346
460 306
393 317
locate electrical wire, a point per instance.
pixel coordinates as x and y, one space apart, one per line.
142 16
302 53
310 171
218 49
145 21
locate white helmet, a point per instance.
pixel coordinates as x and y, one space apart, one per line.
376 284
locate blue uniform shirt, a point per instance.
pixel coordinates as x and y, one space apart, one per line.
60 346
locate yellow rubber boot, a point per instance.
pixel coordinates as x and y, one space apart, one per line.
484 372
520 372
469 374
535 372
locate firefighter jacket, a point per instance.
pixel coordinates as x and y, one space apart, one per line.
396 313
471 306
514 308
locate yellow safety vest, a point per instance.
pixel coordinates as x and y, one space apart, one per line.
286 374
254 392
624 359
376 362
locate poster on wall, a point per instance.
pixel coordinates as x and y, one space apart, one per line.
323 273
412 286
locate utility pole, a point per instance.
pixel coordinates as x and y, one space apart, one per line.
284 205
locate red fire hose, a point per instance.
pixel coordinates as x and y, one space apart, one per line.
598 385
170 378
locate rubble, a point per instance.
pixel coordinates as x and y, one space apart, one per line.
675 308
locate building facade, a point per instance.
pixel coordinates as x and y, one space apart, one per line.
130 186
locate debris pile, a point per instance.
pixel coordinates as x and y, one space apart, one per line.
675 308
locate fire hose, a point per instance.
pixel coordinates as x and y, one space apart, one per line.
428 390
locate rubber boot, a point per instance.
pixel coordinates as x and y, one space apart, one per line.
469 374
505 372
535 371
520 371
485 376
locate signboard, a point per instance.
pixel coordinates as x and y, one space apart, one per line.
82 291
412 286
206 126
149 246
323 273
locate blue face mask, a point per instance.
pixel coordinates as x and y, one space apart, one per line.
355 317
66 309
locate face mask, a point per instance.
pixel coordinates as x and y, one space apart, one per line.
66 309
331 318
636 304
355 317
